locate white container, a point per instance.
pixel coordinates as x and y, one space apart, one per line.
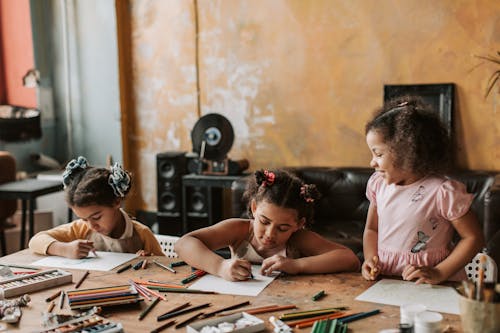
409 311
427 322
257 326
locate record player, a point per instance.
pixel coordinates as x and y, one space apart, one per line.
212 137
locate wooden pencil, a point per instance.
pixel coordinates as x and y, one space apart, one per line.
51 306
179 307
271 309
149 308
183 311
231 307
53 297
188 320
162 327
78 284
260 307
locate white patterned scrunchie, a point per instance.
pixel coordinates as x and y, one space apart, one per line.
119 180
78 163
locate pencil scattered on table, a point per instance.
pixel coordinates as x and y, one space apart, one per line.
177 264
51 306
183 311
138 265
227 308
79 283
196 274
61 300
123 268
149 308
162 327
53 297
310 313
189 320
318 295
159 264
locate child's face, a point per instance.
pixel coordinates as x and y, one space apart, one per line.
383 160
102 219
274 225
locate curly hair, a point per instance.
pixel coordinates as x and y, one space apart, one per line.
90 186
283 189
415 134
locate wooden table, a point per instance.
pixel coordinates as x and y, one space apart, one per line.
341 289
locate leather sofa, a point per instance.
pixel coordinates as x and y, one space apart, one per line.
341 212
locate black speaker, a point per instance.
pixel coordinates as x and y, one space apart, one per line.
170 167
198 205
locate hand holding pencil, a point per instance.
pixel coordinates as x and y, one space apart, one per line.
236 269
370 269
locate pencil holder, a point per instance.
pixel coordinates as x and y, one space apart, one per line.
479 316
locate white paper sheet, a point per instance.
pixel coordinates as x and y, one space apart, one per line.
105 261
246 288
397 292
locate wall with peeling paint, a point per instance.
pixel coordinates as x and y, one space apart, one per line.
299 79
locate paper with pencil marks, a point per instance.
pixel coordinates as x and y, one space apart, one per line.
105 261
397 292
250 287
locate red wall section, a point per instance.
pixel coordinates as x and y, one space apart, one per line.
16 51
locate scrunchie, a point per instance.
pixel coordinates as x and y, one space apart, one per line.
305 192
269 180
79 163
119 180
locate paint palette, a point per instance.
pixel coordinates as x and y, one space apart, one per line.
33 282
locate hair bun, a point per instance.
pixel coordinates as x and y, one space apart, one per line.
72 167
119 180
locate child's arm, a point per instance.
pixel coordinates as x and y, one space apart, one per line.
370 269
66 240
471 242
196 248
319 256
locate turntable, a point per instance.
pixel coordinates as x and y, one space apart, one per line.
212 137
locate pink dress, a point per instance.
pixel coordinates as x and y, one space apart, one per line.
414 221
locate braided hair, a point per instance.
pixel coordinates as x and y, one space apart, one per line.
283 189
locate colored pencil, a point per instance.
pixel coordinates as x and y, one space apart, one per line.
308 322
359 316
310 313
179 307
271 309
21 266
51 306
159 284
182 290
170 269
138 265
78 284
177 313
149 308
177 263
318 295
189 320
123 268
53 297
61 299
162 327
227 308
196 274
260 307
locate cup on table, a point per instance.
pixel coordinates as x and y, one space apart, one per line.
427 322
479 316
409 311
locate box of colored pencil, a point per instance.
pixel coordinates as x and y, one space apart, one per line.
107 296
20 285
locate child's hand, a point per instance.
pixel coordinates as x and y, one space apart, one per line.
279 263
78 249
370 269
144 253
423 274
235 269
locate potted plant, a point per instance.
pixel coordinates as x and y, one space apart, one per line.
495 76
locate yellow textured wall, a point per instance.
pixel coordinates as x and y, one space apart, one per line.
299 79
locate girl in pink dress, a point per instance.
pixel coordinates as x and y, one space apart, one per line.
414 209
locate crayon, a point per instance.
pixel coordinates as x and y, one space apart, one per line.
318 295
137 265
149 308
81 279
53 297
164 266
177 264
123 268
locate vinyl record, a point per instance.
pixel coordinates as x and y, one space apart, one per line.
217 133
